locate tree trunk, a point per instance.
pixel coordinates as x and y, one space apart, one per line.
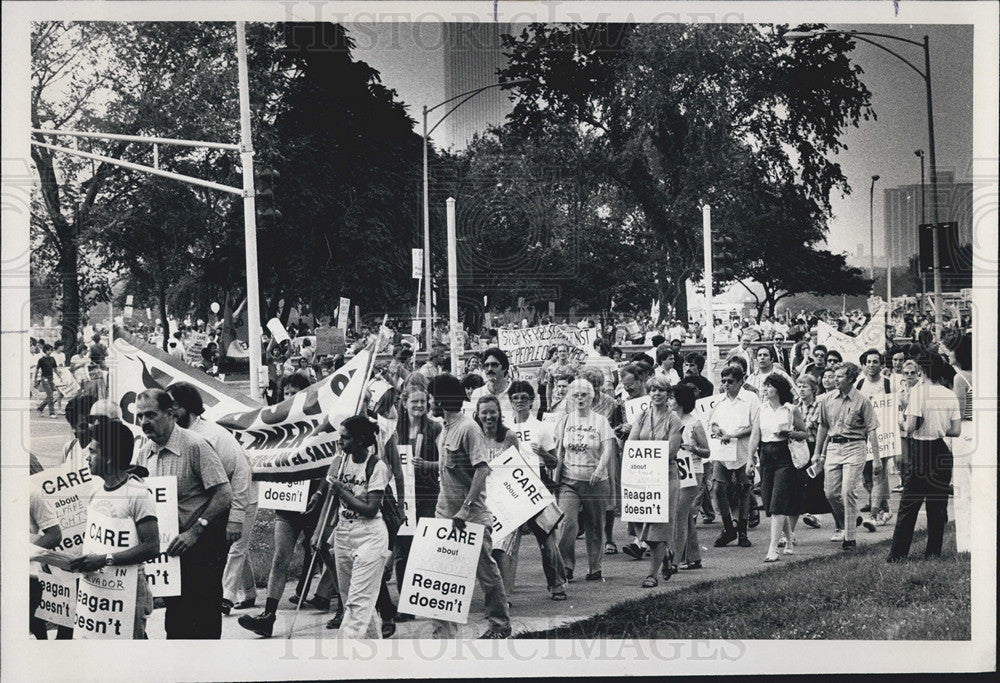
679 298
161 297
69 275
286 310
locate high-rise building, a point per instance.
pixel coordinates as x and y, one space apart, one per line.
472 57
903 212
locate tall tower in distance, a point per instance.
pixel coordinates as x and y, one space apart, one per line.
472 57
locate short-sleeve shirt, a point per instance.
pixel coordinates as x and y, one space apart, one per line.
737 415
774 420
689 423
42 515
650 427
47 366
353 475
193 461
583 442
461 447
937 406
850 416
234 461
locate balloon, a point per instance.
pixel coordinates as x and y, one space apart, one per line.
215 307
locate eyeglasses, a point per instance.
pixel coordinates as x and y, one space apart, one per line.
520 397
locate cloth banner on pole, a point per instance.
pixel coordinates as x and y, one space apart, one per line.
105 599
645 482
871 336
289 441
514 493
441 570
163 572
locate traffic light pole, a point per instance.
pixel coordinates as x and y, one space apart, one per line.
706 228
249 218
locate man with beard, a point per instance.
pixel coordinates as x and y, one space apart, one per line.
694 363
188 410
204 497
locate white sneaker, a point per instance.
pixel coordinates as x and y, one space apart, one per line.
783 541
838 536
885 519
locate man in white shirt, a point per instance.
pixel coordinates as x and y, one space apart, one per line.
931 414
874 386
766 366
733 418
744 352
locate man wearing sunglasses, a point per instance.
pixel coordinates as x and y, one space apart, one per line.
495 366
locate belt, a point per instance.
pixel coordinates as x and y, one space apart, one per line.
843 439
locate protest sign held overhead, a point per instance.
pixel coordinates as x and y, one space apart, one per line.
645 482
441 570
531 345
871 336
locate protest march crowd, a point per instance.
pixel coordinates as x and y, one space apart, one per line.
817 418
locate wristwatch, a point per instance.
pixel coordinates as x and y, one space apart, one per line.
109 559
203 523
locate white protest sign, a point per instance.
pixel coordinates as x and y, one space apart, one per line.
722 451
283 495
67 489
871 336
417 267
889 442
330 341
58 605
514 493
635 407
163 572
409 490
343 313
645 482
469 409
441 570
105 599
686 476
531 432
531 344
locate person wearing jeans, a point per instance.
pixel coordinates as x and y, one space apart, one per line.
585 443
464 468
846 421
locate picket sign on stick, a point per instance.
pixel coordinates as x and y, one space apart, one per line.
441 570
409 497
514 493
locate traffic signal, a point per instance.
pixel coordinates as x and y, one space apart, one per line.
949 248
267 211
723 260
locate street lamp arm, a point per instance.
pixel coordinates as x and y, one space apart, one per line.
879 35
449 112
893 52
474 92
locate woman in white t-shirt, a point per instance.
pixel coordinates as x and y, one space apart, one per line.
932 413
360 540
585 445
693 441
122 496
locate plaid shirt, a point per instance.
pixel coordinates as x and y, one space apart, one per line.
811 415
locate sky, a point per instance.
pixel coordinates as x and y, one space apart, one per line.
410 59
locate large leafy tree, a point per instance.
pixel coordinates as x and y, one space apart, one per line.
349 166
679 115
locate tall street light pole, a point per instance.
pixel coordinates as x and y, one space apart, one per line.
793 36
871 227
923 220
463 98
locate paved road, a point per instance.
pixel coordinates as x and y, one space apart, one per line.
532 609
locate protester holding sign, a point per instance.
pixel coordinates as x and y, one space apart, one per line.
781 484
464 468
877 389
415 430
732 420
694 442
123 496
815 498
43 525
499 438
204 497
660 423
